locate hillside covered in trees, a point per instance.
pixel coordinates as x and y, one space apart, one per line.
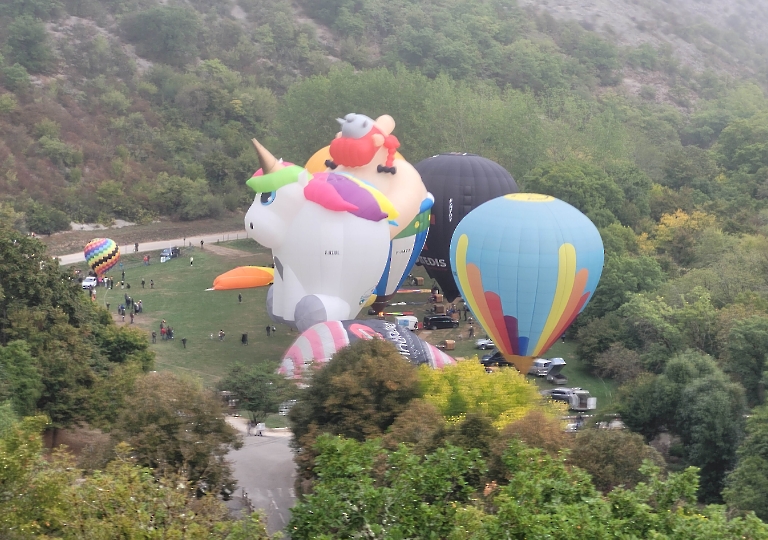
137 109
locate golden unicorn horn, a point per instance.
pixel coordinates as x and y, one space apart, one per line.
267 161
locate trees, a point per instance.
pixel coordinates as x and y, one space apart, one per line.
62 331
392 495
259 389
28 44
20 382
46 496
581 184
165 33
364 490
358 394
176 426
619 363
695 400
503 396
622 277
747 350
747 485
612 458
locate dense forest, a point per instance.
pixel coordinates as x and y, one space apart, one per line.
139 110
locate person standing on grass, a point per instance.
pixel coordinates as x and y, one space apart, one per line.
184 342
154 336
191 260
239 298
269 330
142 283
201 244
151 283
221 335
131 317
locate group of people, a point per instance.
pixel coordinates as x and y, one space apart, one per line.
109 282
134 308
166 332
270 330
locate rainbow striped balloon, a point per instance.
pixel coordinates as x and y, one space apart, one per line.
101 254
527 265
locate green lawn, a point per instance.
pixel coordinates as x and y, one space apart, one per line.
180 298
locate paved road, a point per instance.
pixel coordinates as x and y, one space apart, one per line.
73 258
264 468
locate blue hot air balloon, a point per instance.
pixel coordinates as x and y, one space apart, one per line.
527 265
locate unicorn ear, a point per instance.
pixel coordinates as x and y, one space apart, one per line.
304 177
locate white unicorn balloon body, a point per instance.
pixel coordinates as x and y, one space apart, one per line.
328 251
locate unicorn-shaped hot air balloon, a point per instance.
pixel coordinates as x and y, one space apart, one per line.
329 234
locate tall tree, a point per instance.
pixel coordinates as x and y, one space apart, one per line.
176 426
260 390
747 350
695 400
747 485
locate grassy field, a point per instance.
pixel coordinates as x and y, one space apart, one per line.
180 298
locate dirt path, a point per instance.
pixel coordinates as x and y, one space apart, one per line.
208 243
228 252
71 241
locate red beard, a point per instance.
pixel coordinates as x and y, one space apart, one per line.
351 152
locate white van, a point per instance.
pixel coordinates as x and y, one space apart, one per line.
540 367
410 322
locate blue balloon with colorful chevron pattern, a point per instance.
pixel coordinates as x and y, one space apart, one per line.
526 264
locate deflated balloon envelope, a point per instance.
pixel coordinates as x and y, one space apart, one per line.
319 343
459 183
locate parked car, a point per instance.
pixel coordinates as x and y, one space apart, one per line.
484 344
495 359
170 253
562 394
539 367
433 322
90 283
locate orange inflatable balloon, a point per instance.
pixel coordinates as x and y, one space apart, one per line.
244 277
316 163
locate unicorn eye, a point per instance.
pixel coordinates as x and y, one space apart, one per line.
268 197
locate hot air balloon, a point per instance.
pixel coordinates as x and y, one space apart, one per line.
330 239
317 164
244 277
101 254
317 345
367 149
459 183
527 265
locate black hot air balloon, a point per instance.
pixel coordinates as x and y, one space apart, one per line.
459 183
